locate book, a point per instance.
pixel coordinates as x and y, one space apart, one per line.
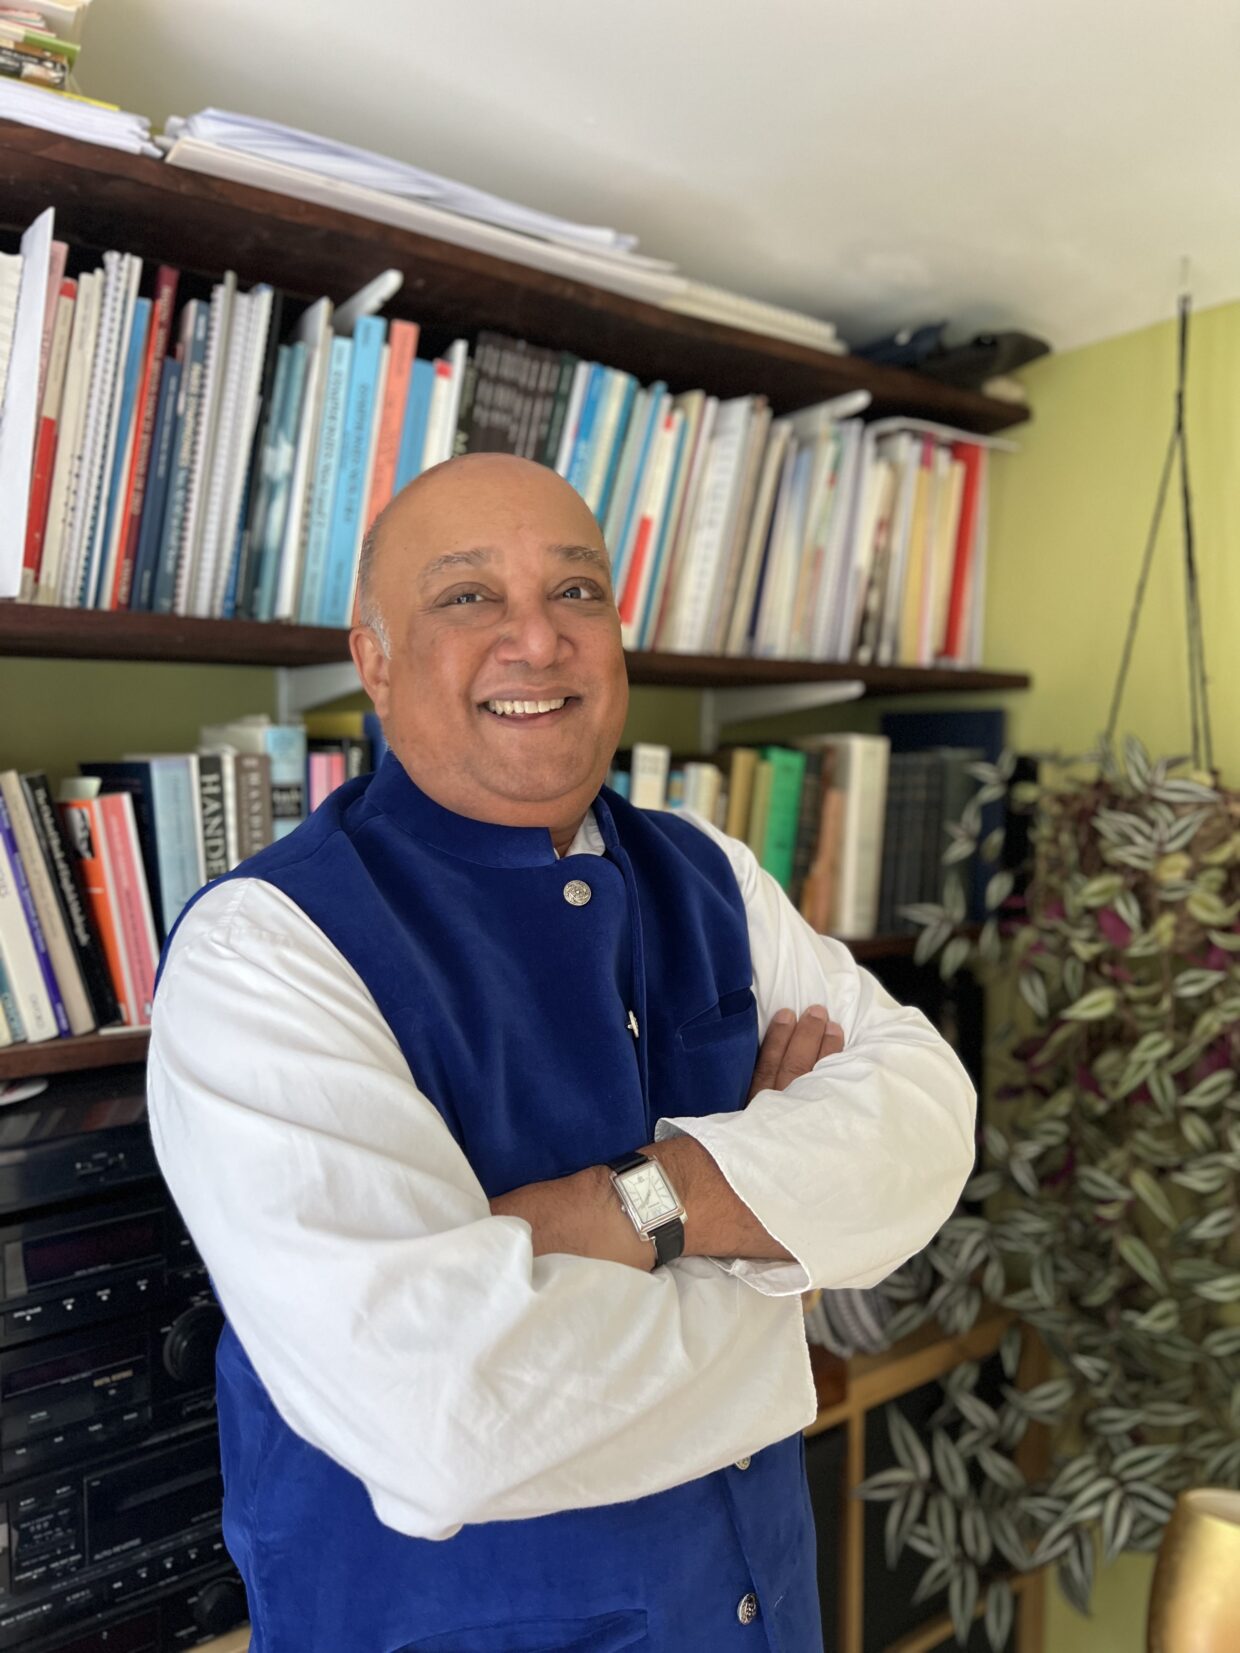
326 473
66 467
103 419
860 773
221 325
114 506
648 775
159 334
783 811
313 332
403 344
285 747
155 497
357 428
193 352
114 830
46 438
29 970
760 806
211 811
164 791
413 430
61 956
818 893
742 766
20 349
79 928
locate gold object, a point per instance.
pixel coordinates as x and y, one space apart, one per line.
1195 1597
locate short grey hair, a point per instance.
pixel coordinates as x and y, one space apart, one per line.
368 611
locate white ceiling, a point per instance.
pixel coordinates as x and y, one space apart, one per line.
1040 164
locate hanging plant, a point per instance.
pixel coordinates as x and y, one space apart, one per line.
1106 1213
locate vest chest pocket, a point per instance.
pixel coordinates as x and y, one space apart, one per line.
606 1633
735 1016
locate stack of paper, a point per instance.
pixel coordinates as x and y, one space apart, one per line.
362 169
717 304
75 118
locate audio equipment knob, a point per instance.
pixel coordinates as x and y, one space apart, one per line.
189 1348
219 1606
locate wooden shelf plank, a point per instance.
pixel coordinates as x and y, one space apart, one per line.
105 198
236 1641
87 1050
930 1353
31 629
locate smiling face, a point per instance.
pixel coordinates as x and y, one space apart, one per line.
505 692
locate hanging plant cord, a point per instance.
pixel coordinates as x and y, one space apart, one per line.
1199 708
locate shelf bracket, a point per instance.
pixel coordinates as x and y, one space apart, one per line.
301 688
720 707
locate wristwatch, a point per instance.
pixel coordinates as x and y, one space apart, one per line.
653 1205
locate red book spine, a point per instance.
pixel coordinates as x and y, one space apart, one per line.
402 343
972 457
144 423
137 925
45 456
84 830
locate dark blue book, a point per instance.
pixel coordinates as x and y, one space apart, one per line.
984 730
163 445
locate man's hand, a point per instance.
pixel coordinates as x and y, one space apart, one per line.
793 1047
581 1215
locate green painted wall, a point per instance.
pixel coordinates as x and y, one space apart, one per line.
1069 520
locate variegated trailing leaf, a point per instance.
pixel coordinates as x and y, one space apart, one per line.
1000 1613
962 1600
907 1445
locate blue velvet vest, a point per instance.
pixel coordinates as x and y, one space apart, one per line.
441 916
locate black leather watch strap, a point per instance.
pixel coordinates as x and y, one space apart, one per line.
669 1237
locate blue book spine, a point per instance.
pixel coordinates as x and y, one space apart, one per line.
583 443
155 501
117 496
623 545
8 1006
654 589
326 471
283 455
22 884
176 834
188 399
617 444
347 507
413 427
286 747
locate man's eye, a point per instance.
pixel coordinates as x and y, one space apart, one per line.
579 591
458 599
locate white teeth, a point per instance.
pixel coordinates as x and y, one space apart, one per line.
527 708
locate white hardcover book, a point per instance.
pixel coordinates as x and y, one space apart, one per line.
60 949
450 413
69 433
572 417
860 773
10 292
21 962
314 331
735 640
712 527
700 411
787 537
725 592
436 415
102 552
821 500
84 499
206 431
19 400
648 775
702 784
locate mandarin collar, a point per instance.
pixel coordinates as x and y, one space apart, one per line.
487 844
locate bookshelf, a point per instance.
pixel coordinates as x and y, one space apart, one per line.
105 198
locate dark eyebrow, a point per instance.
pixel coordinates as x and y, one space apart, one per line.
483 554
455 559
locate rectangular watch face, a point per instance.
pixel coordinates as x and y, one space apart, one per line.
649 1197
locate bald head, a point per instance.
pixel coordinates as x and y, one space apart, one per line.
458 490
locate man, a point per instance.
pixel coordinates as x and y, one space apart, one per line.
479 1391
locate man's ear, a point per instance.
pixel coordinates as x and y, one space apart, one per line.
372 666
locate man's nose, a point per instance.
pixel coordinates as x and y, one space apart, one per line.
530 634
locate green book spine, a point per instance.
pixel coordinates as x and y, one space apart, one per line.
779 841
759 808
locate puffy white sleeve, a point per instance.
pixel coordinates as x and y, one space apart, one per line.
856 1165
397 1325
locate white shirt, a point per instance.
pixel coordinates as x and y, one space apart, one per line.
415 1338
